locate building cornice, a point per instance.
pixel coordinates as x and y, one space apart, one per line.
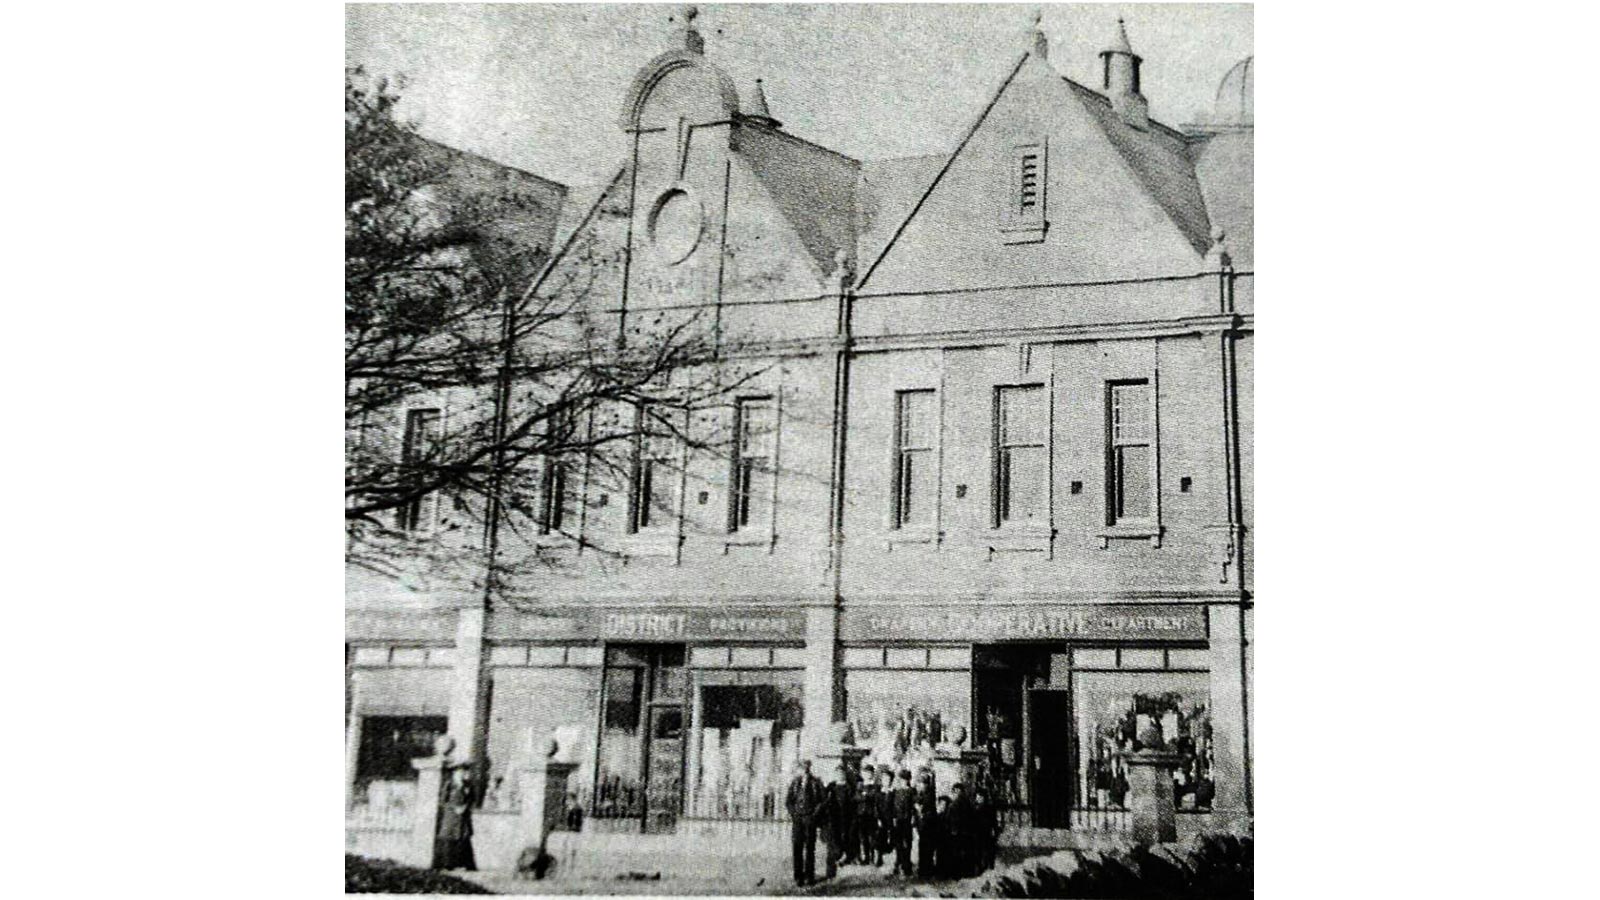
1113 331
1050 285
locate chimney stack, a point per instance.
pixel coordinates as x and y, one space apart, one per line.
1120 80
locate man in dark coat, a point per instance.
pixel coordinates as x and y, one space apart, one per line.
838 809
986 823
804 801
903 814
867 850
930 825
848 839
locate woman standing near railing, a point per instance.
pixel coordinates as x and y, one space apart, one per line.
453 840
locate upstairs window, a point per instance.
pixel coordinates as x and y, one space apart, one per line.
753 468
653 473
1020 477
422 434
915 427
1130 453
555 493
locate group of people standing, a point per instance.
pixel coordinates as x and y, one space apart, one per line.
878 816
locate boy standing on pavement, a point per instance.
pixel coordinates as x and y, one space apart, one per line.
904 809
867 849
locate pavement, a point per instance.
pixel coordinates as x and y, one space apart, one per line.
852 881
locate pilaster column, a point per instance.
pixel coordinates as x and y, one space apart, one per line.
823 681
469 713
1230 731
352 747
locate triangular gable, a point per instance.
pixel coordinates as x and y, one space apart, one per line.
1128 205
934 184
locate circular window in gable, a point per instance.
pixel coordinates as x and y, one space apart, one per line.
676 224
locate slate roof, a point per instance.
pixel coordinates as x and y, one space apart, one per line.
813 186
837 203
1160 160
466 164
1225 166
465 175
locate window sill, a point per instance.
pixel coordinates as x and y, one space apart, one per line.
769 542
911 535
1030 233
644 544
1024 538
1109 533
554 545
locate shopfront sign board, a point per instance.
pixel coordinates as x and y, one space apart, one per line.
979 624
655 624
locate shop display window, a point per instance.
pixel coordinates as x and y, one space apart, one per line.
902 717
749 745
1114 711
385 778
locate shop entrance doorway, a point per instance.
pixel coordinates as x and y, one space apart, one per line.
664 780
639 780
1050 715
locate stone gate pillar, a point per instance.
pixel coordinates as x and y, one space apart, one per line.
1155 820
431 774
542 785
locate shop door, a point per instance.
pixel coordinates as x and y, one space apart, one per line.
664 784
1050 745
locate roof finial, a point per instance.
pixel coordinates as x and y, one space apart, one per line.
759 113
1041 44
844 269
1218 257
1120 44
692 41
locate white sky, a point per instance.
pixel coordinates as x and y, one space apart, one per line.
540 86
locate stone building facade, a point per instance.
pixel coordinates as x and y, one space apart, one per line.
1000 499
